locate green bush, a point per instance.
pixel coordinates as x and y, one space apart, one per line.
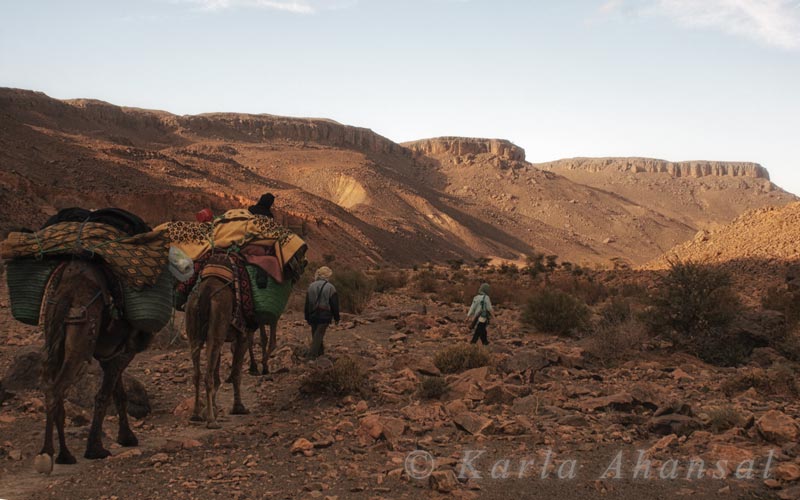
432 387
460 357
354 289
345 376
694 304
553 311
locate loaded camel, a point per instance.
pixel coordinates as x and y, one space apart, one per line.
210 323
77 326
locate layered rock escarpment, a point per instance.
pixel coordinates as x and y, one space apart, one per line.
464 146
172 129
649 165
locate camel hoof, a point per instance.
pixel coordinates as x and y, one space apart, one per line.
65 458
213 425
43 463
196 418
127 439
239 410
97 454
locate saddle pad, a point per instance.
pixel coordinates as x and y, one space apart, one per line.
218 271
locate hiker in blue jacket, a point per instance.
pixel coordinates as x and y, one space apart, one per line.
479 314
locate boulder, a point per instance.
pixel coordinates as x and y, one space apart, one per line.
301 445
282 360
622 401
498 394
472 422
374 427
673 423
528 405
443 481
522 361
787 472
777 427
25 371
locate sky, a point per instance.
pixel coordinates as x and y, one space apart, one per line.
670 79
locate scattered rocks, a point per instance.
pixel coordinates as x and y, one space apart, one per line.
302 445
472 422
443 481
777 427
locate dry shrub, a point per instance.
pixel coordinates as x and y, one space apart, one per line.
432 387
784 301
426 281
616 342
778 380
722 418
586 288
460 357
616 311
694 305
553 311
354 289
344 376
387 280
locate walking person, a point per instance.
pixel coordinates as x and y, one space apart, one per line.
322 307
479 313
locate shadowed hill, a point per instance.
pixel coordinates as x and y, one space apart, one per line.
354 193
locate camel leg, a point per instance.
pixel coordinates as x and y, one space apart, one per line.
212 362
64 455
240 345
112 372
266 350
253 370
125 436
198 405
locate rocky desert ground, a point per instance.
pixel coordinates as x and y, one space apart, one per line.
583 391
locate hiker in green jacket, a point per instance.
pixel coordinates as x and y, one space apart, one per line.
479 314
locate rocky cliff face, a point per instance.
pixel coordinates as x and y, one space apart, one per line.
170 128
463 146
675 169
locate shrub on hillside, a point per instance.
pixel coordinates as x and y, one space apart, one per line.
432 387
613 342
616 311
553 311
460 357
387 280
784 301
345 376
694 304
426 281
778 380
722 418
354 289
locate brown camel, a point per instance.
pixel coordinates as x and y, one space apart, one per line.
209 312
78 325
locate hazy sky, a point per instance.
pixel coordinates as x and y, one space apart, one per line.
672 79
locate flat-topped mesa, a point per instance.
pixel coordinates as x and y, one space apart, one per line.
462 146
650 165
268 127
90 114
